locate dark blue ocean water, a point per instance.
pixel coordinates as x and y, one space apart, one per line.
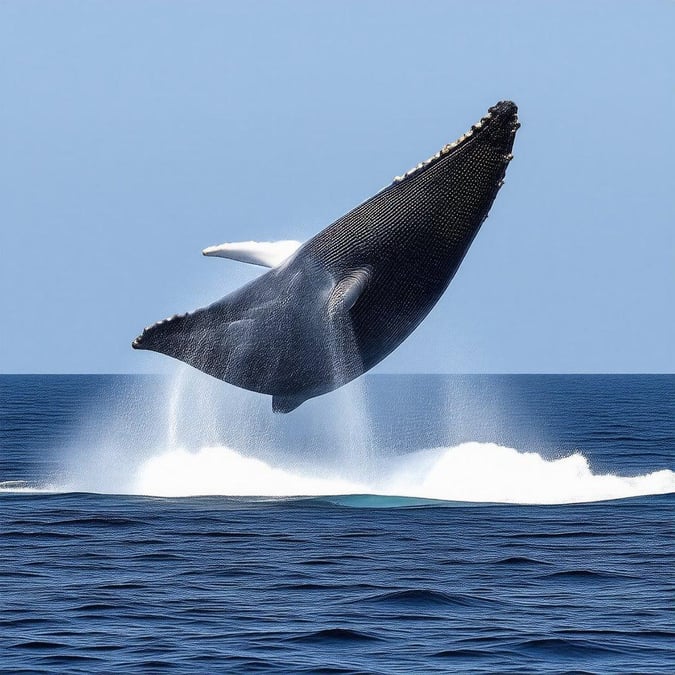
424 570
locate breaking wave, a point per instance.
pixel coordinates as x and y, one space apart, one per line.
180 445
470 472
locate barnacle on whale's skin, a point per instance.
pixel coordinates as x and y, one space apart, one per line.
330 309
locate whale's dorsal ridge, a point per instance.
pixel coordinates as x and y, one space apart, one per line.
263 253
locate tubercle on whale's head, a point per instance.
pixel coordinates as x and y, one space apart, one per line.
501 119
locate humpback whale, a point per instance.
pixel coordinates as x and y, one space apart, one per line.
331 308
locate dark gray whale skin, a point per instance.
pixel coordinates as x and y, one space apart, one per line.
351 294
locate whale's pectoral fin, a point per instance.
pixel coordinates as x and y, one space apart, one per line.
348 290
264 253
285 404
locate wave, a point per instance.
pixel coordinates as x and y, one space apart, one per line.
334 635
22 486
178 443
425 598
471 472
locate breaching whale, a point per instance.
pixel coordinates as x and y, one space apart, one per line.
330 309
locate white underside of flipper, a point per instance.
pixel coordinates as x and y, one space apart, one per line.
264 253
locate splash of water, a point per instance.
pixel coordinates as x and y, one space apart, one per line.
470 472
23 487
200 438
224 471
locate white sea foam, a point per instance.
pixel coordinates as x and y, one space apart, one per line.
175 448
23 487
223 471
471 472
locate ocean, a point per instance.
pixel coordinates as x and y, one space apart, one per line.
403 524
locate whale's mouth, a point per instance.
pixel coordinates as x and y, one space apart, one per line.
502 115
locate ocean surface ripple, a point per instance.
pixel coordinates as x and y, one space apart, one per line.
468 524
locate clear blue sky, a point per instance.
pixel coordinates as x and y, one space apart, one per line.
133 134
